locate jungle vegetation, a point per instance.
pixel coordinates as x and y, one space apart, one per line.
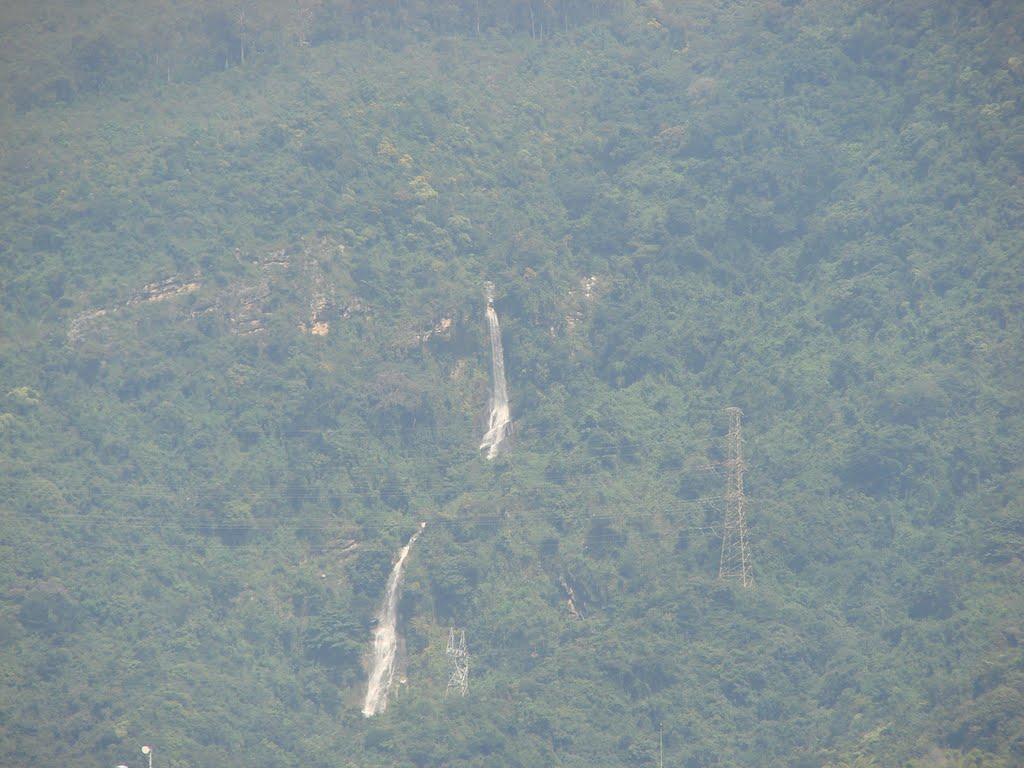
243 354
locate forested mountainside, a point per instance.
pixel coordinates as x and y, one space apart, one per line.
244 252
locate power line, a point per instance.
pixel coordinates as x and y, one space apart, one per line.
478 519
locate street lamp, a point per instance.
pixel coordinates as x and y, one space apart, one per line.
148 753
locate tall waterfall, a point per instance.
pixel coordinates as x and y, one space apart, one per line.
385 638
500 416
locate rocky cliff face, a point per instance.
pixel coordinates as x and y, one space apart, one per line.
294 281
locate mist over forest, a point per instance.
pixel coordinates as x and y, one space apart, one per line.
666 352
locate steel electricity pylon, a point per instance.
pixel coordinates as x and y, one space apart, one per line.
458 660
735 562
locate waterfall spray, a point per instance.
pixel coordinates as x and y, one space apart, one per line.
385 638
500 415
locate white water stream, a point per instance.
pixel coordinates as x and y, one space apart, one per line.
500 416
385 638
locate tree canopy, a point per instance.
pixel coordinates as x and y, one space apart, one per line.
243 257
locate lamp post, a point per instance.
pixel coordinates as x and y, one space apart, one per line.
148 753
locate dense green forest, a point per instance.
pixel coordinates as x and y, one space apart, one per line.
243 355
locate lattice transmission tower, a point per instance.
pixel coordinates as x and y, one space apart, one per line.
458 660
735 562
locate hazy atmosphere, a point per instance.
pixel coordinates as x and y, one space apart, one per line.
525 383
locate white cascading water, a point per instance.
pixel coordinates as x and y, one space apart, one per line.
385 638
500 416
